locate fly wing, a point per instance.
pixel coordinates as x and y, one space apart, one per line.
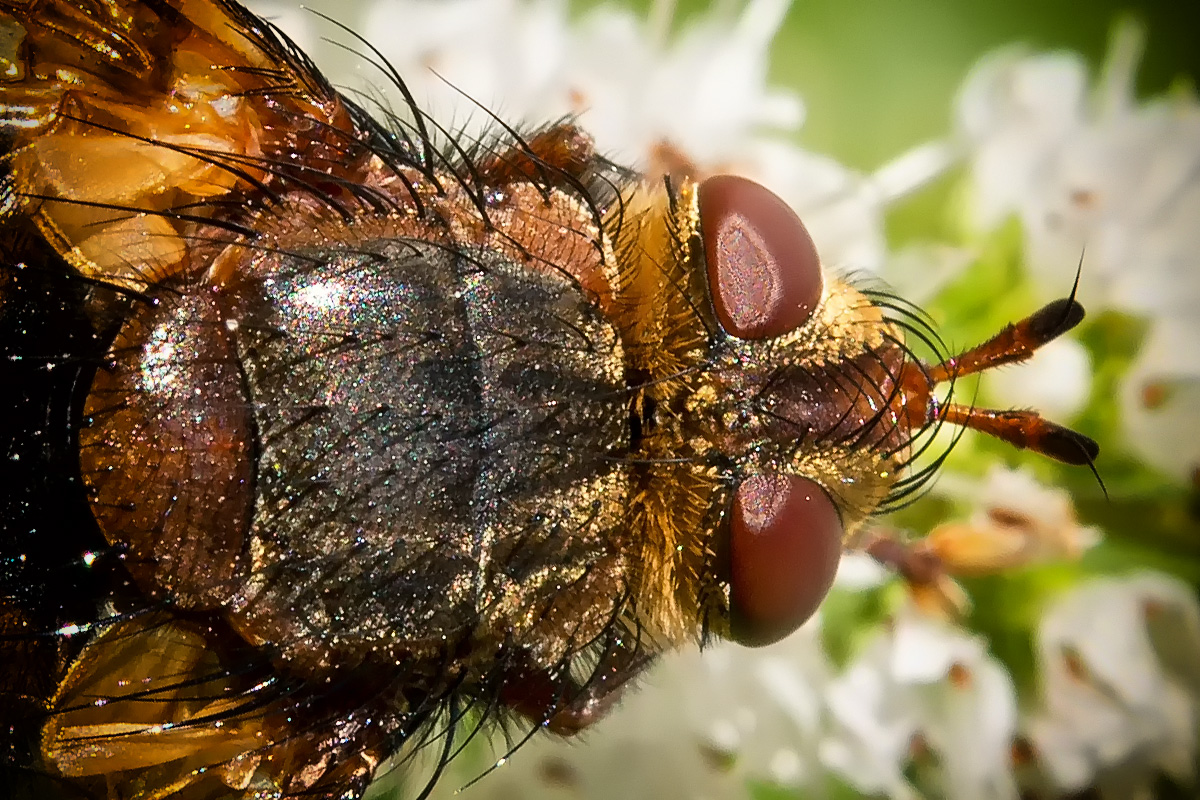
138 141
138 134
105 723
187 728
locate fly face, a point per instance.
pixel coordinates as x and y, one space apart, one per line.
338 429
785 407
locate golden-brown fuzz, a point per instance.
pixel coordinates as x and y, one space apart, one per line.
663 309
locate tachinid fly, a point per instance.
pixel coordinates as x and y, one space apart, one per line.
322 428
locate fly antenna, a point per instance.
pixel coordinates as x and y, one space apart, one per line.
1017 342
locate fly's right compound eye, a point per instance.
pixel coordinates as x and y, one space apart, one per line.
762 264
785 541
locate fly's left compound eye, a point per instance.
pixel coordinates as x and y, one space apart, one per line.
785 541
762 264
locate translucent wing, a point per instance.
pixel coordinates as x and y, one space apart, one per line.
138 131
139 141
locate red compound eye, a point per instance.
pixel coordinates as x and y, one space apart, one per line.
785 541
762 264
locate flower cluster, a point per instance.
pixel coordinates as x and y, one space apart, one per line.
1091 170
1120 696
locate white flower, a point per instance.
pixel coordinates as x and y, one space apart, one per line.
923 684
699 725
874 727
919 271
699 98
1161 394
1108 173
858 571
1119 178
702 92
702 725
969 722
1120 666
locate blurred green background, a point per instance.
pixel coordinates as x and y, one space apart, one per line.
878 75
